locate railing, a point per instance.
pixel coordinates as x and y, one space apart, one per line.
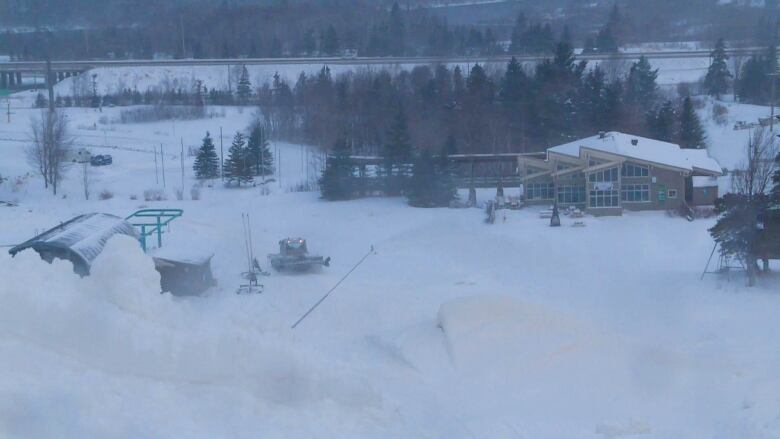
151 222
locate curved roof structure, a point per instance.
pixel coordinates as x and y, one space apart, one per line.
79 240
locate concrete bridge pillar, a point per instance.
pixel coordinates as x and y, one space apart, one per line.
11 79
60 76
18 78
3 79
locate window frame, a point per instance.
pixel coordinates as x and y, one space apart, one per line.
644 170
642 189
603 196
601 176
572 190
533 188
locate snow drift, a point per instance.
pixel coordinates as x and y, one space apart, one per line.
499 333
116 323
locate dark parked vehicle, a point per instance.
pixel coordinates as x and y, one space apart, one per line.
101 160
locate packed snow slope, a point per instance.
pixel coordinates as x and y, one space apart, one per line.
452 329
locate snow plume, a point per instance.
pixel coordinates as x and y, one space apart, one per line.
115 324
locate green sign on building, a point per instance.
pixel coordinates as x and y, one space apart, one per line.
661 193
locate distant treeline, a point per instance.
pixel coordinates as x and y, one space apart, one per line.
88 29
510 109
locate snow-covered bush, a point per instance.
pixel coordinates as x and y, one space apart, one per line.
154 195
161 112
195 192
179 194
720 114
106 194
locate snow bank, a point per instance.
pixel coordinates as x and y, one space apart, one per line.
116 323
501 333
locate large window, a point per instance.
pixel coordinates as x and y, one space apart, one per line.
605 175
540 191
635 193
604 199
630 170
570 194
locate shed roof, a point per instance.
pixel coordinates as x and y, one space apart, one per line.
84 236
649 150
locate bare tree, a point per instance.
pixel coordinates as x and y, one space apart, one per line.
737 230
49 147
755 174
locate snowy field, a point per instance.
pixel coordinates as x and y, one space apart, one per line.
672 71
452 329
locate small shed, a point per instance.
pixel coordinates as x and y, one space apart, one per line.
183 274
79 240
704 191
770 234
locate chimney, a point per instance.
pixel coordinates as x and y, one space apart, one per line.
635 142
602 134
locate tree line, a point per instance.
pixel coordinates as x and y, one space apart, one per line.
486 109
85 29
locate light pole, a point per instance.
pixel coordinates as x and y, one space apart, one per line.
773 77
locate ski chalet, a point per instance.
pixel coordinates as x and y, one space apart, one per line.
611 172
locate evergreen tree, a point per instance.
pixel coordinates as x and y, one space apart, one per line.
338 181
607 40
244 88
641 87
238 166
262 161
397 152
776 180
308 44
396 33
736 232
206 162
662 122
446 171
421 191
329 44
691 134
717 80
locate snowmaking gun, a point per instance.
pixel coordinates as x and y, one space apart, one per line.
294 256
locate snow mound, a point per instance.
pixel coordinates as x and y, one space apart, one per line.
492 332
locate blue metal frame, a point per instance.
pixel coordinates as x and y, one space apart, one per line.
151 221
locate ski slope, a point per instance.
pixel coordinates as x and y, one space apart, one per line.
453 329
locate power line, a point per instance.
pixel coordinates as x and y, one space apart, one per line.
370 252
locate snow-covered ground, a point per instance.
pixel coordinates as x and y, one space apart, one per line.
453 329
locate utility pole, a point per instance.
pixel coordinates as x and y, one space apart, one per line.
49 84
772 117
221 157
262 163
182 164
162 162
156 171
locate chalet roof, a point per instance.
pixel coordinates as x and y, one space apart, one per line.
83 237
648 150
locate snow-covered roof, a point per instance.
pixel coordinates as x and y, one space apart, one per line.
83 236
187 255
648 150
704 181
